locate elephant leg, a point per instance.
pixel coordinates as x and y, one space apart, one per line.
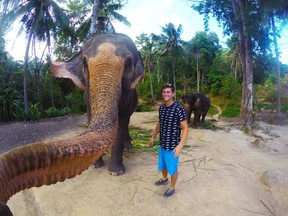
189 117
116 166
4 210
203 117
196 119
99 163
133 98
128 139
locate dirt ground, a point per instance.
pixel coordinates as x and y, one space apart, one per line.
221 172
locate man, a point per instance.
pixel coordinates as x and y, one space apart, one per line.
172 119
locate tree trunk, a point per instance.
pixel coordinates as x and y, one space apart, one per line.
25 82
151 84
244 40
278 102
247 91
174 78
198 71
94 18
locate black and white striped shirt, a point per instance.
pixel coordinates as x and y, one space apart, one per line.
170 129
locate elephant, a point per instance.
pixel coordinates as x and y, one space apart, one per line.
197 102
107 68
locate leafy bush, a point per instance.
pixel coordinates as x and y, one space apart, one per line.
51 112
76 102
230 87
35 113
143 108
212 110
232 111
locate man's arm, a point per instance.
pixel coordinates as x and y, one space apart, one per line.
184 134
156 131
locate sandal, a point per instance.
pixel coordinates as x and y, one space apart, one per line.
169 192
161 182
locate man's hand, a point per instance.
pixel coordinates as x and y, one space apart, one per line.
151 143
177 151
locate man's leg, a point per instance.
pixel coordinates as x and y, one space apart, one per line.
164 174
173 180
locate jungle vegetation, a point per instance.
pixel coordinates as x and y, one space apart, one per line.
241 78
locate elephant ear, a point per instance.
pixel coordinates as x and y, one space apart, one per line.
138 71
73 69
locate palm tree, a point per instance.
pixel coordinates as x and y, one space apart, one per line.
173 45
103 13
38 18
147 47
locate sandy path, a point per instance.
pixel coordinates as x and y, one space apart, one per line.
220 174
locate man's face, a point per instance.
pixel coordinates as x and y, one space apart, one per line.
167 94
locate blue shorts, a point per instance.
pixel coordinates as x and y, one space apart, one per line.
166 160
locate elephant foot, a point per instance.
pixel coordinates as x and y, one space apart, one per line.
117 173
99 163
116 170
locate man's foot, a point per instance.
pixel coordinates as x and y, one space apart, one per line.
169 192
161 182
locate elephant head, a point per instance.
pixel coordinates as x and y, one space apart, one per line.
107 68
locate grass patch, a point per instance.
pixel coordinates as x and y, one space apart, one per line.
209 126
140 139
84 125
230 112
143 108
264 106
213 110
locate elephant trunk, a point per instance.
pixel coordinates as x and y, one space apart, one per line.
104 91
48 162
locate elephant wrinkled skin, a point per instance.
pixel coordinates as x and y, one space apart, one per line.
107 68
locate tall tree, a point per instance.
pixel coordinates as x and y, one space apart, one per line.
103 13
275 10
38 18
204 46
147 47
240 18
172 38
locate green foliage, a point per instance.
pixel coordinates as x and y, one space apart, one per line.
284 107
225 85
267 91
209 126
75 101
230 87
212 110
143 108
140 139
35 113
231 111
270 106
54 112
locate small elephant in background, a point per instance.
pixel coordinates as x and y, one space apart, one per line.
197 102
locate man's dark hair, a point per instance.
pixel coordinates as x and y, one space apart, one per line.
168 85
